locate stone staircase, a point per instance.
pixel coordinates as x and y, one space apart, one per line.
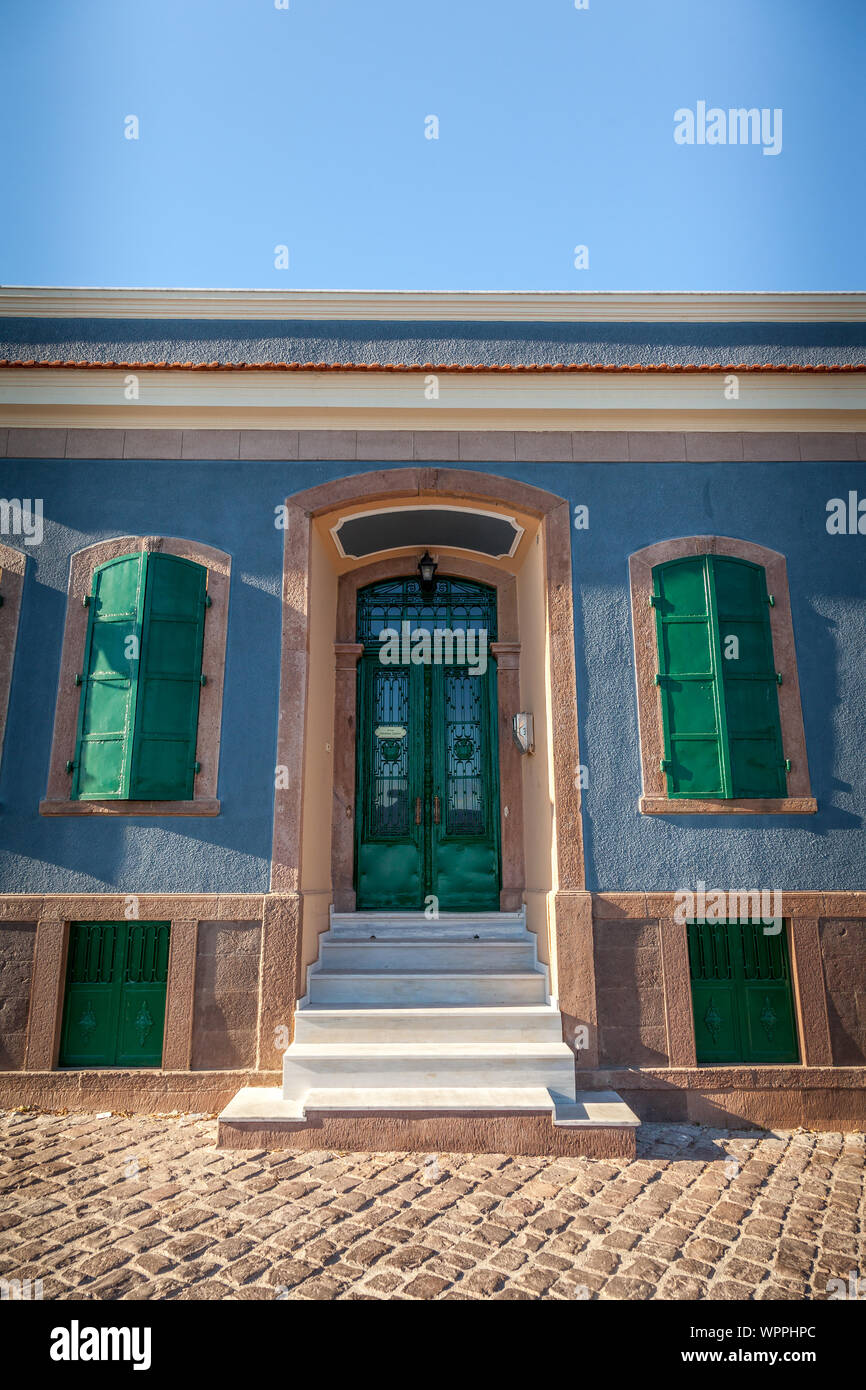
414 1018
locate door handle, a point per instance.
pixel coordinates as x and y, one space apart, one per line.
437 810
417 810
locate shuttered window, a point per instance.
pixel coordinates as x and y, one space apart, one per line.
718 685
138 713
114 1005
741 994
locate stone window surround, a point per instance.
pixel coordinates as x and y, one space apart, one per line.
802 914
13 564
654 799
58 801
54 913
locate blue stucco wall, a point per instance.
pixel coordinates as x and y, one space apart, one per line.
231 505
779 505
221 504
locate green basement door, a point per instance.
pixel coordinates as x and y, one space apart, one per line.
427 818
741 993
114 1007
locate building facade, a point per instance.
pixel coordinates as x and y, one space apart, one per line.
328 616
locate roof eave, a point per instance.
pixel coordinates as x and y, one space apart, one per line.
507 306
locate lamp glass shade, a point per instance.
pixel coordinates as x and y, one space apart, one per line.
427 568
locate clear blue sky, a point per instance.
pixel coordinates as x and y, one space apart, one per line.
305 127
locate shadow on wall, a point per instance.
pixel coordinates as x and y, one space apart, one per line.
848 1050
681 1140
843 956
818 646
630 993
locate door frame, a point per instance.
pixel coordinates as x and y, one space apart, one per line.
311 808
347 653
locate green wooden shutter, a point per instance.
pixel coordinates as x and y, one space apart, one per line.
741 994
138 716
92 999
107 708
169 679
141 1016
715 999
720 712
688 678
750 688
766 998
114 1005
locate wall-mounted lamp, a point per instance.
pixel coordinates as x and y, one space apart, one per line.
523 731
427 568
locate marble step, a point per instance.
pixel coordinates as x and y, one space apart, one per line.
267 1103
589 1110
427 1065
402 953
595 1110
448 926
389 989
540 1023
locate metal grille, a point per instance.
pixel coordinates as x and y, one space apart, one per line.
390 752
764 955
710 951
92 949
454 603
147 953
463 747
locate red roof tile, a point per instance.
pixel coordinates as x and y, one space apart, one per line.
438 367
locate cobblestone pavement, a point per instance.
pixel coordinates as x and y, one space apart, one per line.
140 1207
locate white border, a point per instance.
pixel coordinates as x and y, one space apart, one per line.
539 306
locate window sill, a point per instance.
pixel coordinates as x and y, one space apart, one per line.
759 806
100 1067
208 806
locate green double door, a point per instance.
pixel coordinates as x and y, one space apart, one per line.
427 814
114 1006
428 804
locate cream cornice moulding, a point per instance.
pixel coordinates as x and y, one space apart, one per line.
511 306
50 395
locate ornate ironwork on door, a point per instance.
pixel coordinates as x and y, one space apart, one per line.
464 747
457 604
389 801
427 817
